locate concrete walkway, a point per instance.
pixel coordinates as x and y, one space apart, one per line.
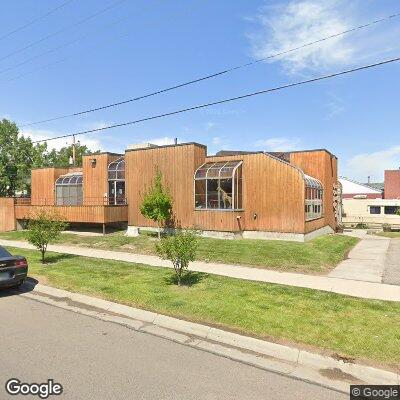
366 261
391 274
369 290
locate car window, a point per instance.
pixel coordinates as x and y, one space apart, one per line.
4 253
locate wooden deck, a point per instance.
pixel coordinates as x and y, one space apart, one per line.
96 214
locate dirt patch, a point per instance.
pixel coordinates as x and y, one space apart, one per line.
345 359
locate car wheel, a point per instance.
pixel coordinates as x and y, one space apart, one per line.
18 285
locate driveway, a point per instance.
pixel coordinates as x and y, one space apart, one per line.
95 359
366 261
373 259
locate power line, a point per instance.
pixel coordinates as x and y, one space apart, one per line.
33 21
65 44
214 75
63 30
118 21
247 95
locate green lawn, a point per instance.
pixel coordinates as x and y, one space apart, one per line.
364 329
393 235
317 256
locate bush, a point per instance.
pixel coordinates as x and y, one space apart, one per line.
180 249
361 225
43 227
157 203
386 227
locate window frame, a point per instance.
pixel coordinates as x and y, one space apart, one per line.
313 198
119 162
234 178
64 184
375 207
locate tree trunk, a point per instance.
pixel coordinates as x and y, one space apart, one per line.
43 252
159 231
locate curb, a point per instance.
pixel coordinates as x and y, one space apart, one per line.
290 361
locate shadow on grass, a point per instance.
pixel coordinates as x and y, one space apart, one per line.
55 258
188 279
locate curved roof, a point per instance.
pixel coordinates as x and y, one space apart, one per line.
312 182
215 170
73 178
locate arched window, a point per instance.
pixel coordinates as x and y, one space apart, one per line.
116 182
313 198
69 189
218 186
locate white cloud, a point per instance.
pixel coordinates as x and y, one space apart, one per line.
278 144
41 134
372 164
284 27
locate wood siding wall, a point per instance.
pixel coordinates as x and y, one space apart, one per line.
273 196
43 184
323 166
95 177
87 214
7 215
177 164
273 191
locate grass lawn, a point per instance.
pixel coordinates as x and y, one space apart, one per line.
364 329
393 235
317 256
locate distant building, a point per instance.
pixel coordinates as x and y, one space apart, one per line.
373 204
352 189
392 184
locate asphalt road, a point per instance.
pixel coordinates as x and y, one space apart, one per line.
94 359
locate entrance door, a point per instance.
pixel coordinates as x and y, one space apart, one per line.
116 192
120 192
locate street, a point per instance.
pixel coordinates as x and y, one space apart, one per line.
94 359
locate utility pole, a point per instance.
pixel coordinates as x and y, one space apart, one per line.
73 151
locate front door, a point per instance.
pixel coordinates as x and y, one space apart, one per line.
116 192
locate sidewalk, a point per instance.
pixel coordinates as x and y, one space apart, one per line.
362 289
366 261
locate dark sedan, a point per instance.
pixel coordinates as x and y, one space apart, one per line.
13 269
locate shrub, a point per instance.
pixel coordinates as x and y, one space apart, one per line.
361 225
43 227
180 249
157 203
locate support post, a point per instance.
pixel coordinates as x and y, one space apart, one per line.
104 229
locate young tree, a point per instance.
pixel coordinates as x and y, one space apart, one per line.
157 203
43 227
180 249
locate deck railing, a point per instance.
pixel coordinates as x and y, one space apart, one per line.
90 201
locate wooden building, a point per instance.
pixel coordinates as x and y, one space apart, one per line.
252 195
246 194
92 194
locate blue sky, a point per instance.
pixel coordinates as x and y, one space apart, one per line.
140 46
